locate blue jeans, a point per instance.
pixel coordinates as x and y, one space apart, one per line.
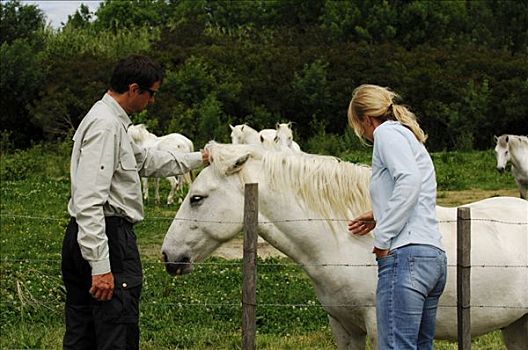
410 281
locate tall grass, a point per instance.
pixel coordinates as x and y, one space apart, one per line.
198 311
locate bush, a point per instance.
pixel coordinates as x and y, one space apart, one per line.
43 160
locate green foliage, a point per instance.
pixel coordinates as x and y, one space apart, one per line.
197 95
468 170
19 21
461 66
72 43
20 80
46 161
117 15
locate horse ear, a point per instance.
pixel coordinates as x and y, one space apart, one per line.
237 165
232 127
507 138
277 125
495 138
290 125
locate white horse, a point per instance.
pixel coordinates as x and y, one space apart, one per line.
244 134
176 142
284 137
514 149
294 188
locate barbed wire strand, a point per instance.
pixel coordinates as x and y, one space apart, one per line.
240 264
159 218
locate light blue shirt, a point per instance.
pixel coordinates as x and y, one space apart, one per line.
402 189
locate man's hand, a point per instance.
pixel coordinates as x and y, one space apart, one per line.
102 286
362 225
205 157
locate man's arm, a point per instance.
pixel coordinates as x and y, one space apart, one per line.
93 178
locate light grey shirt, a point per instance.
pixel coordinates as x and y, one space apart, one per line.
105 169
402 189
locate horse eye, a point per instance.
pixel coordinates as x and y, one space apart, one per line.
196 200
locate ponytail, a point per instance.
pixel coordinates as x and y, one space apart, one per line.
377 102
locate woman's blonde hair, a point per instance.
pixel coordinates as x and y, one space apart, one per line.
377 102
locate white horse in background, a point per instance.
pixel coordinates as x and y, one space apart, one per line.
244 134
175 142
305 202
514 149
267 138
278 139
284 137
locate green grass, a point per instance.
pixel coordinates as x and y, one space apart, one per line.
198 311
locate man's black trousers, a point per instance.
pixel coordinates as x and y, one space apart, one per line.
101 325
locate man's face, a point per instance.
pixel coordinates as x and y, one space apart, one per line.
140 97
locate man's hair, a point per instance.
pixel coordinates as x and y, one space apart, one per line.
135 69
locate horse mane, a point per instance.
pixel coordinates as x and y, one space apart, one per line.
506 139
519 139
328 186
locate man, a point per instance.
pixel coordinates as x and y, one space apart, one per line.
101 267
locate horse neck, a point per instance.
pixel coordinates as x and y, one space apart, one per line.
302 234
518 147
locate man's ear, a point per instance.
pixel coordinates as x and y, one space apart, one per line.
134 88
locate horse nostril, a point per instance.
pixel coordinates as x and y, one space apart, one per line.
500 169
179 267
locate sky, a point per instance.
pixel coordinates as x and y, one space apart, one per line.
58 11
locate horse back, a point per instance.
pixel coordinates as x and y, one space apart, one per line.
499 231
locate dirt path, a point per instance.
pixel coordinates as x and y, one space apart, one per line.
233 249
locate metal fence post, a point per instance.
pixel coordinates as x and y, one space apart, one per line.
463 278
249 290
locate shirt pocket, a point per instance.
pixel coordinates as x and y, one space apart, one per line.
128 162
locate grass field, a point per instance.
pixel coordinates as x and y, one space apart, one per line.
198 311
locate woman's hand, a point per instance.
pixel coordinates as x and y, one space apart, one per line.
362 225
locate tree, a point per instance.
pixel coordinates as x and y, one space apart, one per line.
21 78
18 21
21 72
117 14
81 18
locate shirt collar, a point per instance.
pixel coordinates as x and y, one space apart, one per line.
118 110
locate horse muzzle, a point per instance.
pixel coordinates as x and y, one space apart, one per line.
175 268
500 170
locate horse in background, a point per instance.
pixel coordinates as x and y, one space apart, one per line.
278 139
244 134
176 142
514 149
284 137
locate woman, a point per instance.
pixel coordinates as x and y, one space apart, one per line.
412 265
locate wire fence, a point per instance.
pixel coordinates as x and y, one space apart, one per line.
5 259
161 218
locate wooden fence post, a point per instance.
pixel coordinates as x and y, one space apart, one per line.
249 285
463 278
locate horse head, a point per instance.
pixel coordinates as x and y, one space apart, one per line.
212 211
502 152
292 188
284 134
